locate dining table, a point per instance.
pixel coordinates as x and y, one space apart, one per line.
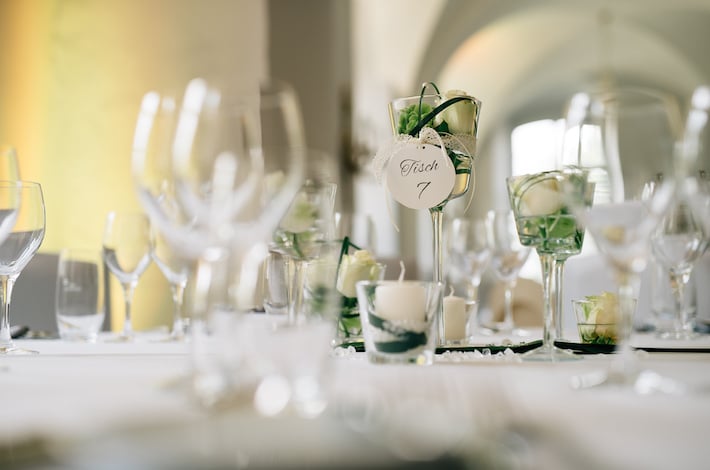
133 405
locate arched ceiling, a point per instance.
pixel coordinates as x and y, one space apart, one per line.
524 58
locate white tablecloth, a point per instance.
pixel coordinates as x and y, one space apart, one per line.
87 405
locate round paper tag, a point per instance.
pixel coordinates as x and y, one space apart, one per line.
420 176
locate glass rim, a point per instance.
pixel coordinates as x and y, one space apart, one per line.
431 95
19 183
391 282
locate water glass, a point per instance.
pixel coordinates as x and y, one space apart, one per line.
276 280
399 320
80 294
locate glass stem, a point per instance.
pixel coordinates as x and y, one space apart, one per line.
559 279
296 292
472 290
547 264
178 291
128 290
6 284
681 321
437 221
624 364
508 306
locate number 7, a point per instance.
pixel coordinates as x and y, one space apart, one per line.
425 184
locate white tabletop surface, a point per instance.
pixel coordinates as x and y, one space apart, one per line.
85 405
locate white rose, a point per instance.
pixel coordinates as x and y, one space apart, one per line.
606 314
459 116
360 266
542 198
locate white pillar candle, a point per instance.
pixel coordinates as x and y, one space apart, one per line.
401 301
454 318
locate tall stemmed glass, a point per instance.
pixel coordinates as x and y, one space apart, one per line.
545 221
469 254
625 138
694 157
175 268
676 245
508 255
24 229
126 252
454 117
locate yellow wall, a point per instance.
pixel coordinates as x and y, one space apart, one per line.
72 73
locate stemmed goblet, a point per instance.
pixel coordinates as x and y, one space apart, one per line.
469 255
126 252
508 255
22 222
625 138
454 118
676 245
693 170
175 268
545 221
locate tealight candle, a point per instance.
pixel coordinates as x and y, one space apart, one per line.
454 318
401 301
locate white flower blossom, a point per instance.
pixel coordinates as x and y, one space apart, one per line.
360 266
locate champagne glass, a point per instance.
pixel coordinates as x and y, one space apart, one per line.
175 268
508 255
676 245
625 138
126 252
455 116
24 225
469 255
545 221
9 167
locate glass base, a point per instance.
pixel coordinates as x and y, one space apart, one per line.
643 382
423 358
502 329
12 350
679 335
119 338
550 353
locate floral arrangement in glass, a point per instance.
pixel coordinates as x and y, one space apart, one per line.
430 161
353 265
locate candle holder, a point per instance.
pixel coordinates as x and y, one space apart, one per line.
399 320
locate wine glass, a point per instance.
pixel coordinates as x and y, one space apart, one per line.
545 221
175 267
9 168
469 255
625 138
126 252
307 227
676 245
455 116
508 255
219 168
693 160
24 225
